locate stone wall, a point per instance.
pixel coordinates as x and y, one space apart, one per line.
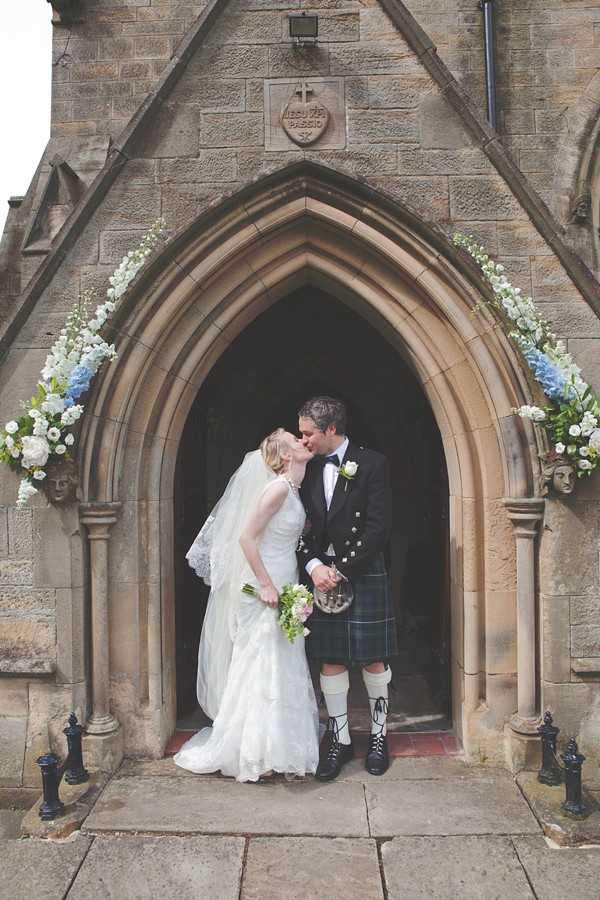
202 142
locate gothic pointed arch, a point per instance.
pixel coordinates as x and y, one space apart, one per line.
309 225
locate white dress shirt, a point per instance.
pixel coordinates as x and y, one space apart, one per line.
330 477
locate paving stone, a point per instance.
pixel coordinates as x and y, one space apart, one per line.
78 799
465 867
40 870
456 806
558 873
413 768
347 868
137 867
546 803
215 805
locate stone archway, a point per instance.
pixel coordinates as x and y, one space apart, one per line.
307 225
306 344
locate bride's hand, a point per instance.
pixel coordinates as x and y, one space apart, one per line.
270 595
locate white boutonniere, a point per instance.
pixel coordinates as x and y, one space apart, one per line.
348 470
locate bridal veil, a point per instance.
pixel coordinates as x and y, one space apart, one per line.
218 559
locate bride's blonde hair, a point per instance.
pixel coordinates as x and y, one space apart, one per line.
273 448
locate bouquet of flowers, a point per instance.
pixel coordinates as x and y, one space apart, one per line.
40 435
295 606
572 415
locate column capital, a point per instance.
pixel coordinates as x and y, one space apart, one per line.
98 517
524 514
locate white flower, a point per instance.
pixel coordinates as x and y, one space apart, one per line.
574 430
53 404
12 427
351 468
35 451
594 440
69 439
60 448
584 451
9 442
70 415
306 632
39 474
53 434
26 490
15 452
41 426
584 464
559 448
532 412
34 413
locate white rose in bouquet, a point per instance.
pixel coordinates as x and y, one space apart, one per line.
594 440
35 451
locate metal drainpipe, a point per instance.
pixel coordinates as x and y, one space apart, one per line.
490 86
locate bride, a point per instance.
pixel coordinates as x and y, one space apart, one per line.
252 681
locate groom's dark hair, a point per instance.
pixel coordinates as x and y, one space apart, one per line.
325 411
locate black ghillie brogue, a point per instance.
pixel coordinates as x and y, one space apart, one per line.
339 754
378 758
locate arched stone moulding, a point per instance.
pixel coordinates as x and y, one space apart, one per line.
213 278
574 157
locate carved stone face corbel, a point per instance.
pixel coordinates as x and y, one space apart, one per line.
67 12
60 483
582 203
559 474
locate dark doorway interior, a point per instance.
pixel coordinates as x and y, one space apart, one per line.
307 344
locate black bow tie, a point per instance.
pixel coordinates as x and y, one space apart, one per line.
335 460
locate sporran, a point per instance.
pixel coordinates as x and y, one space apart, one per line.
337 600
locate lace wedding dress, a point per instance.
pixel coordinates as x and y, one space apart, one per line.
267 717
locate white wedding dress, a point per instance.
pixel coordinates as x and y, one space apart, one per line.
267 718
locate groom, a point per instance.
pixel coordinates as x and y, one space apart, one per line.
350 511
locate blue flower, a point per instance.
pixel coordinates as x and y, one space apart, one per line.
548 375
79 381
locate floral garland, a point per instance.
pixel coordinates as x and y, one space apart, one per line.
571 417
39 435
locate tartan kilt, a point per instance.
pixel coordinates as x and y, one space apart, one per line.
365 633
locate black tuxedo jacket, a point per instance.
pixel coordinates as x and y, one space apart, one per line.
359 520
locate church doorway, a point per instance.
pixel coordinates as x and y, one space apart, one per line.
306 344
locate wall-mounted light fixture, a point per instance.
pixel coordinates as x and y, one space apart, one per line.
304 28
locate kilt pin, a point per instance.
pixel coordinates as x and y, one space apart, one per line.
357 525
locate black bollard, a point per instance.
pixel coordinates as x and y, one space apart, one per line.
551 772
573 806
51 808
74 770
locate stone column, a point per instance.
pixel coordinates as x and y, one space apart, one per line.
98 517
524 515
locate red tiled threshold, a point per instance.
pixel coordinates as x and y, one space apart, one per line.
403 743
406 743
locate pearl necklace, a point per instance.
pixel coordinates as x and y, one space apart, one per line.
293 486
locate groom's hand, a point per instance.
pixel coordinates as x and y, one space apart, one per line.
324 578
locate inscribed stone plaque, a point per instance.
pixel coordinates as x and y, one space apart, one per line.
304 112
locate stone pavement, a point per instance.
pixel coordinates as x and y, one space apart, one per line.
430 827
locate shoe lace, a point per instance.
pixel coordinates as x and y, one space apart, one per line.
377 743
378 737
335 734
